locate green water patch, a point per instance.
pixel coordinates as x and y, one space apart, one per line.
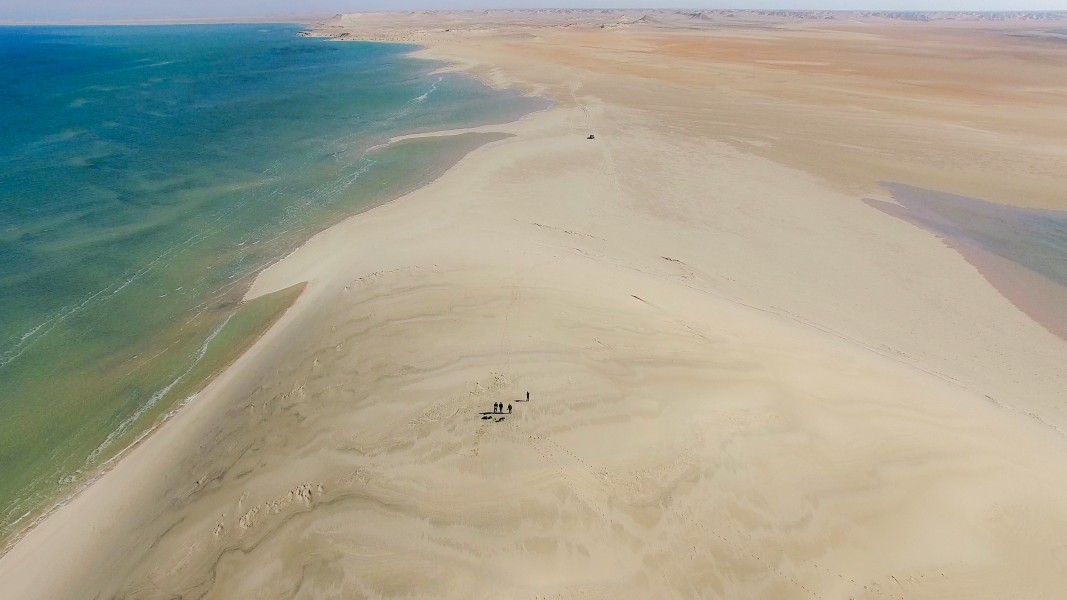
182 361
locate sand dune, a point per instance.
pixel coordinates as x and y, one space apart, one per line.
746 381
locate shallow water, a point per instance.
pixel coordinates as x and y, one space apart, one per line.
146 174
1021 251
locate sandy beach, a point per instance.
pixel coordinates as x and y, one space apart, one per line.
745 380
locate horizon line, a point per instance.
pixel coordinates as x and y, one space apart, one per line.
295 19
307 19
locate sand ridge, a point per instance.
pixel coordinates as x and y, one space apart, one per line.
746 382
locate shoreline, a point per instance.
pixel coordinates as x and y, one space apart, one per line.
248 354
93 475
686 321
81 483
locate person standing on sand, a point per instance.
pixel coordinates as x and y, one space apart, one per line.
509 409
527 396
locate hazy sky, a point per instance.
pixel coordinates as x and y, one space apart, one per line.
141 9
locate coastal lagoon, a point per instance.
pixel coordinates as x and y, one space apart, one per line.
146 174
1020 251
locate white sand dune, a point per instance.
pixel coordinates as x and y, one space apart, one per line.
746 382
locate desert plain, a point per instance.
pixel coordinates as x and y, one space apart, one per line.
746 380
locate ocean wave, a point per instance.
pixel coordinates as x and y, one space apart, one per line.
410 105
433 88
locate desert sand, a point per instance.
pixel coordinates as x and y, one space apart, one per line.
746 382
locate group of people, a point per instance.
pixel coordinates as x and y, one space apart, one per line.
499 409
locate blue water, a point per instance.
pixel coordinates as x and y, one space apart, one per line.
145 174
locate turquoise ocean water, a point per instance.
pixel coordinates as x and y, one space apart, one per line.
146 173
